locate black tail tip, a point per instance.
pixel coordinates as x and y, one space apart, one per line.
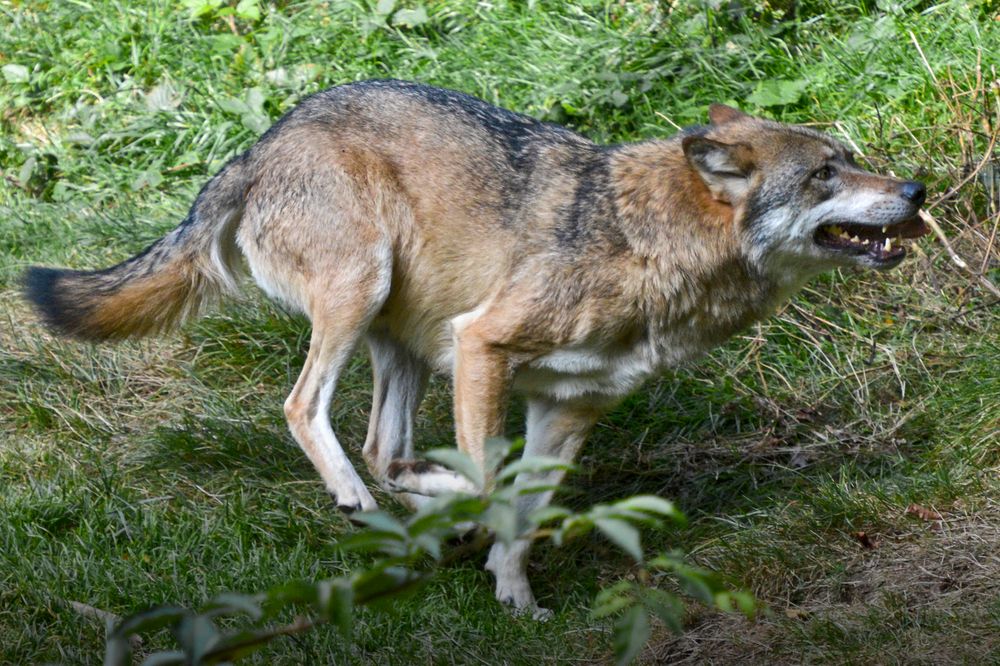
40 287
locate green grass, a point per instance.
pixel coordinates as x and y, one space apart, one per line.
162 471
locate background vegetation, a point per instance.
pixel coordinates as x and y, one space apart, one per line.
840 461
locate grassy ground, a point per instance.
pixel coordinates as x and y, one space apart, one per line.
162 471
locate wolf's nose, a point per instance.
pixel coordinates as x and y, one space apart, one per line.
914 192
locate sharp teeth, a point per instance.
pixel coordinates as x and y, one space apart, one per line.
866 241
855 240
888 244
884 228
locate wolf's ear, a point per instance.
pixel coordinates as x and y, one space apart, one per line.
724 167
720 114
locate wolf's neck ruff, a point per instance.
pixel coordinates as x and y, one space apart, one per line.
515 255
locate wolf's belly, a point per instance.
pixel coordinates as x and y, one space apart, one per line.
587 372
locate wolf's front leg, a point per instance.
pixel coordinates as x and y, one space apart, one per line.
482 376
555 429
483 373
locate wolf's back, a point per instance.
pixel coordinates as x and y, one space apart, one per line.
160 287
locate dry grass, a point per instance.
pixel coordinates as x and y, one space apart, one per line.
162 470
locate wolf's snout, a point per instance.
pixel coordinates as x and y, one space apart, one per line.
913 192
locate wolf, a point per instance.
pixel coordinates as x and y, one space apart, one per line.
515 256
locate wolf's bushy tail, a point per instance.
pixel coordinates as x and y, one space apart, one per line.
162 286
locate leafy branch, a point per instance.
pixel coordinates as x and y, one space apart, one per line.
408 553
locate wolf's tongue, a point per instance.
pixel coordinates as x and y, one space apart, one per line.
912 228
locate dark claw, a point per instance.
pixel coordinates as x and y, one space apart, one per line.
346 509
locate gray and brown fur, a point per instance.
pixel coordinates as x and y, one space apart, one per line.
451 235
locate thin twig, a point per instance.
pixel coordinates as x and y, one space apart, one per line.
981 306
107 617
983 280
923 57
936 228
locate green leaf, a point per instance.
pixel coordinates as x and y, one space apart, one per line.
15 73
411 18
533 465
441 513
777 92
498 448
548 513
430 544
625 536
630 634
199 8
255 100
370 540
148 178
230 603
150 620
165 658
117 651
612 599
380 520
196 635
459 462
666 562
163 97
383 587
256 122
696 586
650 504
745 603
335 601
233 105
501 518
288 594
572 527
248 10
665 606
28 168
225 43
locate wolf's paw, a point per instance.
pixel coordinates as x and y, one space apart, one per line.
507 563
519 600
353 498
425 478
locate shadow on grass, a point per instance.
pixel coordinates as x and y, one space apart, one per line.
199 444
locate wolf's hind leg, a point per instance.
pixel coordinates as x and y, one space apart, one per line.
554 429
400 379
339 318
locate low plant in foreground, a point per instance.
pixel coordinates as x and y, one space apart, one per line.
408 552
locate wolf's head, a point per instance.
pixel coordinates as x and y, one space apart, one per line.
802 204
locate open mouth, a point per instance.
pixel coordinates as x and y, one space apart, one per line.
883 244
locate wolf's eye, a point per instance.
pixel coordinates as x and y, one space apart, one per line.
824 173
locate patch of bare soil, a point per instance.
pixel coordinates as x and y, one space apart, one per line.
929 594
